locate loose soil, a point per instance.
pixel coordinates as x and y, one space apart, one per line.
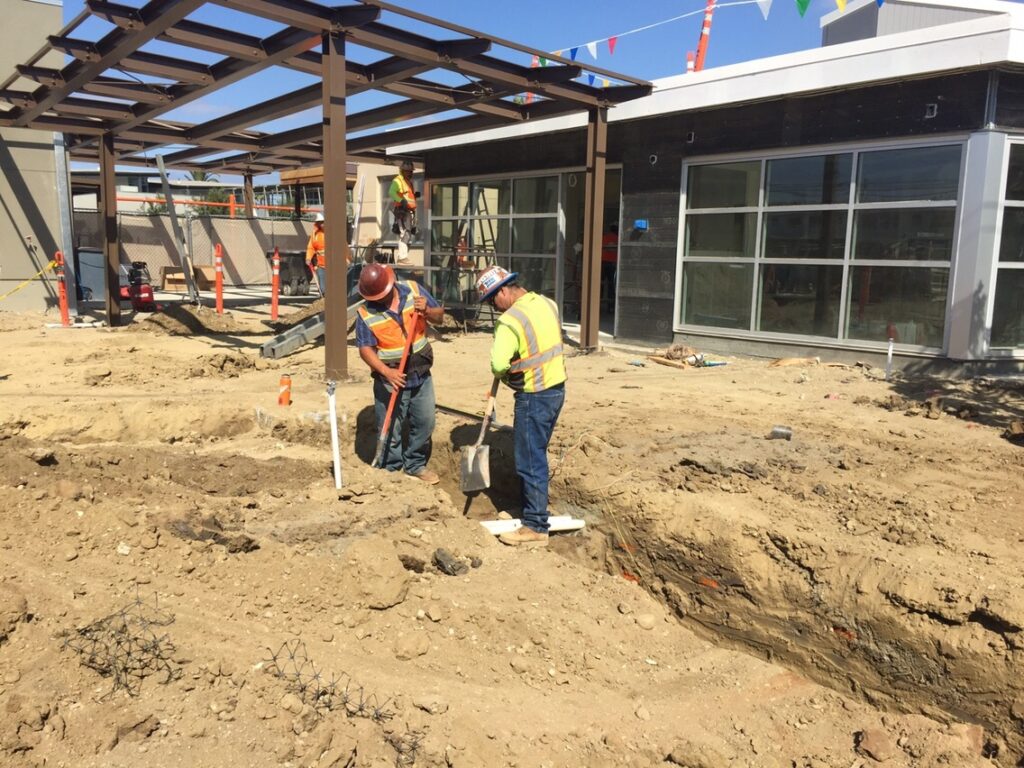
849 597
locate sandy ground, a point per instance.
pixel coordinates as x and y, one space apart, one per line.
181 584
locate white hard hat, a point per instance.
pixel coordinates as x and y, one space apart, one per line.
319 218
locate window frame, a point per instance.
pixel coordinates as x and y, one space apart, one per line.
997 265
852 206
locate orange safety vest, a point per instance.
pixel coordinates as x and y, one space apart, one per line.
390 336
405 192
317 248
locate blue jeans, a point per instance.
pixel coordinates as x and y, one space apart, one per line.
535 416
416 404
321 280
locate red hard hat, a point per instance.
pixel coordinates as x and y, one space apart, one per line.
376 281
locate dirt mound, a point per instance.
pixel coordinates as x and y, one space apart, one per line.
22 321
223 365
294 318
189 320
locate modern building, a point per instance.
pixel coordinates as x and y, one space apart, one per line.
868 190
30 223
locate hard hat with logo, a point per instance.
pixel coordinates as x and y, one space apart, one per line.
491 281
319 218
376 282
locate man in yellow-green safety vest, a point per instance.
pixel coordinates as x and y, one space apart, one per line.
527 355
403 208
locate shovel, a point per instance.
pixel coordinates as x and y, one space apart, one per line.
382 438
475 465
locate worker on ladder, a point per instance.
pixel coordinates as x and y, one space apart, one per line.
403 208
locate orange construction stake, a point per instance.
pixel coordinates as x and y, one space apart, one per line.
284 390
62 290
232 206
218 260
275 283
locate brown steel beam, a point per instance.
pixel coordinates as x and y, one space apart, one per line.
279 47
66 125
115 46
335 207
307 15
216 40
296 101
51 78
593 227
111 248
107 110
165 66
127 89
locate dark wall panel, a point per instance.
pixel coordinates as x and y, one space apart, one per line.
652 151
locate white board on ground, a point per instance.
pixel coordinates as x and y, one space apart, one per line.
557 523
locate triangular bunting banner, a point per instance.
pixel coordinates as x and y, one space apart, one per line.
558 53
590 79
534 61
573 52
880 2
841 4
592 49
604 83
766 7
801 5
611 44
543 62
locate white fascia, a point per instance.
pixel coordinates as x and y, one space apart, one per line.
964 45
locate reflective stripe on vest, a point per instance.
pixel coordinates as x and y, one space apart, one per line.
406 192
390 336
534 363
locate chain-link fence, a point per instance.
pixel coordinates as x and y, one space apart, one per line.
244 242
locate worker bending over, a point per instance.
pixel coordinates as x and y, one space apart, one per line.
391 312
403 206
527 355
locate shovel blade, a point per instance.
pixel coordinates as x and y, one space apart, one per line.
475 466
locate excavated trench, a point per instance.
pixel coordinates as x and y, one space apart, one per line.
855 622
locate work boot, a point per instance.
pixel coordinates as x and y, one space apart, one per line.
427 476
524 537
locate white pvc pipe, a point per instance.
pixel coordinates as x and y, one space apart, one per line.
888 362
333 407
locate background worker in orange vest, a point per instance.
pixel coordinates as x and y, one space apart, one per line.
403 206
393 310
316 255
609 264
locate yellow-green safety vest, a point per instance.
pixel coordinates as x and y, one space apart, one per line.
539 331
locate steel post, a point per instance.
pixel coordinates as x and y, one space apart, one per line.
335 207
111 247
593 227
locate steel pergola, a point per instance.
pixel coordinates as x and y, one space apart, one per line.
110 99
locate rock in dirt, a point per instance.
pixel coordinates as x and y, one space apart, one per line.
431 704
447 563
291 703
689 755
373 575
13 610
210 530
645 620
222 365
876 744
44 457
410 646
96 376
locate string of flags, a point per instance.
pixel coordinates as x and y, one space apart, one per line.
593 47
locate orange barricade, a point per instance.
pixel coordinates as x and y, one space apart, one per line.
62 290
275 283
218 260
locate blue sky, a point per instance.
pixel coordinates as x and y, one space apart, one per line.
739 33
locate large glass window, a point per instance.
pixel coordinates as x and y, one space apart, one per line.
1008 301
852 245
509 221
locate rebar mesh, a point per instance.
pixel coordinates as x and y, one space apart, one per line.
127 646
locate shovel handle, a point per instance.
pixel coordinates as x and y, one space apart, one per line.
488 412
382 439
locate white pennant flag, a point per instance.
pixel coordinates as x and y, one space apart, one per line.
592 48
765 6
